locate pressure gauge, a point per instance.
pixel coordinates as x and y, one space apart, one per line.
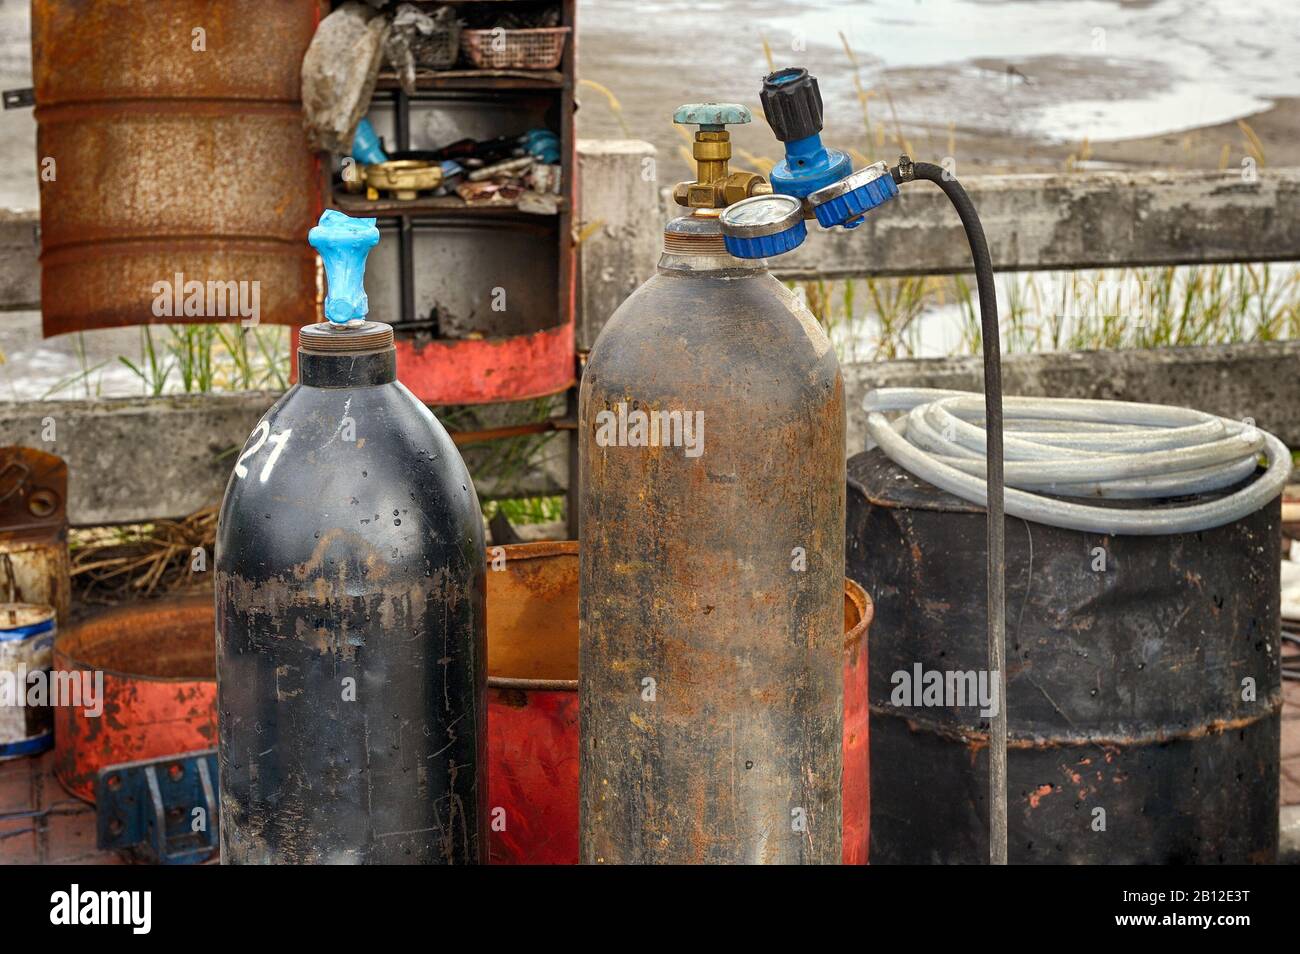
763 226
845 202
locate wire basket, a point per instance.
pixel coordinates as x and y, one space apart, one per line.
439 49
538 49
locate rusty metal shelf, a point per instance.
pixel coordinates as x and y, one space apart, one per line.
434 205
473 79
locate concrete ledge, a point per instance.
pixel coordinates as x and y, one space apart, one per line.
136 459
1088 220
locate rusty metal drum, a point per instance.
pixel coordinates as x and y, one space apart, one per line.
532 618
1143 684
150 668
533 738
26 639
171 146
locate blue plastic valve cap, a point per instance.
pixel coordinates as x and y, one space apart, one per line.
845 202
766 246
763 226
344 243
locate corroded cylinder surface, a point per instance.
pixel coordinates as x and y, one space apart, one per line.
712 574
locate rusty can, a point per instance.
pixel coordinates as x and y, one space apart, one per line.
533 707
34 564
26 639
1143 684
147 676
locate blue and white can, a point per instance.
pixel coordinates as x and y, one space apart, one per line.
26 655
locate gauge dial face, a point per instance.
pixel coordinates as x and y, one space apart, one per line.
762 214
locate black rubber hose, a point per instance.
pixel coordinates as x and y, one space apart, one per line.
906 171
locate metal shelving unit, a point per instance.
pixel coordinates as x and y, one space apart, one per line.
462 102
447 251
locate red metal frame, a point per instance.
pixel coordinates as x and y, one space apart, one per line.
485 370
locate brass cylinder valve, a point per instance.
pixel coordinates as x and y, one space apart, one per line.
716 186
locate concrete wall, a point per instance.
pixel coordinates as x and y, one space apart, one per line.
135 459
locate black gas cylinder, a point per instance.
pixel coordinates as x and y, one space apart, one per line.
350 610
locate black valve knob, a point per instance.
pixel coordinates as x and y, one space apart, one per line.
792 103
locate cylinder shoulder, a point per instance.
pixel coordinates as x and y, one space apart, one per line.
371 463
745 338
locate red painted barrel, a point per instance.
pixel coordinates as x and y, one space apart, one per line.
480 371
159 697
532 610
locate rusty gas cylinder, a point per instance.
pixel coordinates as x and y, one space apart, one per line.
712 569
351 657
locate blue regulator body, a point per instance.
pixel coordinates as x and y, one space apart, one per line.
821 178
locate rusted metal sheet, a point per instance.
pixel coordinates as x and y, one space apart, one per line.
488 369
1143 683
858 610
172 151
533 740
34 561
159 689
532 612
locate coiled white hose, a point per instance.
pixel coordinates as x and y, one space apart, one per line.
1083 449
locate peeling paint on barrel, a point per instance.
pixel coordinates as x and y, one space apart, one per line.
158 664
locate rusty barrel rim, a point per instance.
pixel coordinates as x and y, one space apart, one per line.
144 716
69 648
854 592
544 549
520 552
